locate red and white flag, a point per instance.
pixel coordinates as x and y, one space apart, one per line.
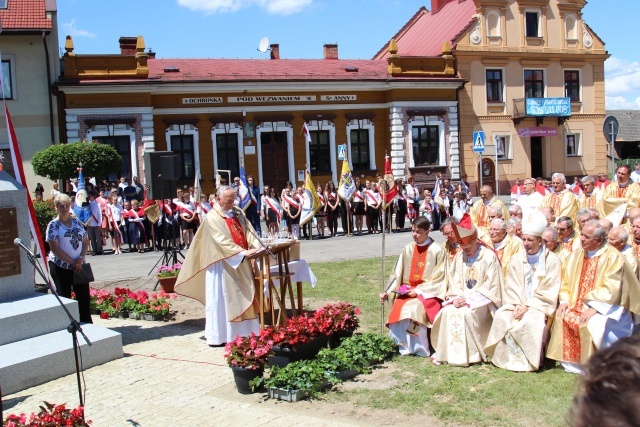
16 159
307 134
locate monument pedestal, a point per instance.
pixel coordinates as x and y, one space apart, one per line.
35 346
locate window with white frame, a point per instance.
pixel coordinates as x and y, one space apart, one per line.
572 144
532 23
493 23
572 85
319 151
7 79
570 27
183 141
426 145
227 147
123 139
360 141
503 146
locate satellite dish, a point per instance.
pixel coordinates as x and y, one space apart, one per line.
264 45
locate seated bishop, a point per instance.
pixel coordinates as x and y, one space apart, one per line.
416 290
462 325
529 297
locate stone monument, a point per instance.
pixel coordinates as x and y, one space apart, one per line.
35 346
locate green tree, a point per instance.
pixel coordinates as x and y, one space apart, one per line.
61 161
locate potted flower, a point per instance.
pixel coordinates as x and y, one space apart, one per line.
299 338
340 320
167 276
50 415
246 356
158 306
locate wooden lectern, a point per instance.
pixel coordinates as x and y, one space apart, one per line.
277 292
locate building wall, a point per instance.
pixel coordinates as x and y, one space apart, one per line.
511 52
30 107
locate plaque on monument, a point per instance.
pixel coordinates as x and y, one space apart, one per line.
9 252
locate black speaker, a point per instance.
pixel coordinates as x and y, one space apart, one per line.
160 170
170 167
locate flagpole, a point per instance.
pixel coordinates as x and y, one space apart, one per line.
383 183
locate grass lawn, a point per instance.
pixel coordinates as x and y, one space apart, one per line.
480 395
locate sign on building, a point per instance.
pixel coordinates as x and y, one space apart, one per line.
548 107
342 151
478 142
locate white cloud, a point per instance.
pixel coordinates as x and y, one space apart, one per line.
70 29
621 76
275 7
620 103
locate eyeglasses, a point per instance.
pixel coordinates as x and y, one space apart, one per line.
562 229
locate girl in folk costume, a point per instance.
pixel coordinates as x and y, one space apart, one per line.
321 215
203 208
400 204
287 190
332 207
126 237
104 226
459 205
187 219
413 199
372 199
272 211
359 205
137 234
114 221
292 206
169 219
429 209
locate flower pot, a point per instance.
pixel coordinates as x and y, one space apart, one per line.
293 396
282 356
336 337
95 311
122 314
167 283
242 376
133 315
151 316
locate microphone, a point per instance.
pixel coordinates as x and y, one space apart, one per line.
18 242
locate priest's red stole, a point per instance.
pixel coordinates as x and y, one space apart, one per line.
237 233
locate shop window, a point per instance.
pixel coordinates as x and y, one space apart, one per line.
359 148
534 83
182 145
426 145
319 154
494 86
227 153
572 85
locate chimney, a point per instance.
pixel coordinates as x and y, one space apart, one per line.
436 5
128 45
151 54
330 51
275 50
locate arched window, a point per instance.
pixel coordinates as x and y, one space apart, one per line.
493 23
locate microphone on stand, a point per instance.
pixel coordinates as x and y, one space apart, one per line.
18 242
238 212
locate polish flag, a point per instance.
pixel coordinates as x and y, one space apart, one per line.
307 134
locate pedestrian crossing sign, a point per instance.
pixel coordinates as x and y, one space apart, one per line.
342 151
478 142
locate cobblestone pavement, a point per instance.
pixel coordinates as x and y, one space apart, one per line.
169 376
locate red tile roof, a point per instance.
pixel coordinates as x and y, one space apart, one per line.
425 32
24 15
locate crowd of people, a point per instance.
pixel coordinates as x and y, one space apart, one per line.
555 276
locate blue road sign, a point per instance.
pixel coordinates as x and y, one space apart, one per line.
478 142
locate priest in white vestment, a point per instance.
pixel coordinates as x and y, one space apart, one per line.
218 273
530 296
462 326
529 201
417 287
598 295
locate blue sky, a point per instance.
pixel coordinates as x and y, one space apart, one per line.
233 28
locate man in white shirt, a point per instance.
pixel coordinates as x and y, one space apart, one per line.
94 224
635 175
531 199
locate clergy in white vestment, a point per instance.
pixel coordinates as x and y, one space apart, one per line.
416 290
218 273
618 237
461 328
530 296
598 295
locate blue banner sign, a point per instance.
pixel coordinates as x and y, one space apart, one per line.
548 107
